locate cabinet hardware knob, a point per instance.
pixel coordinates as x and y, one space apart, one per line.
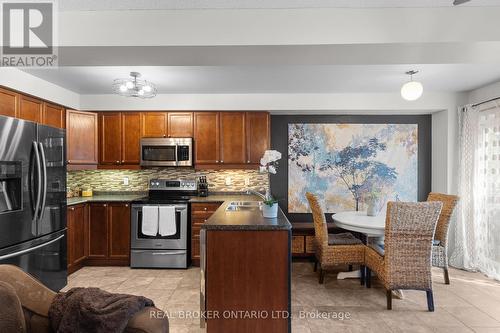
123 161
72 208
204 220
222 161
205 208
248 161
216 161
105 205
126 205
69 161
164 136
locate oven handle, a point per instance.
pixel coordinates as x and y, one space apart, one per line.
163 253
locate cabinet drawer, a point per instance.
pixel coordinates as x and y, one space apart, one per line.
197 208
298 244
309 244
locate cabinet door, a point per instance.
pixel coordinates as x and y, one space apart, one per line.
53 115
131 137
180 124
154 124
81 135
119 231
110 137
80 234
232 137
257 135
206 136
9 103
30 109
98 231
70 224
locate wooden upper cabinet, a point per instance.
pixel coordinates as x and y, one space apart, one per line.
119 231
81 134
257 135
110 128
9 103
232 138
206 136
154 124
180 124
131 137
53 115
30 109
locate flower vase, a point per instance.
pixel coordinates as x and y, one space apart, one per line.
372 208
270 211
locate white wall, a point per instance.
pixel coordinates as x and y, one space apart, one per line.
29 84
484 93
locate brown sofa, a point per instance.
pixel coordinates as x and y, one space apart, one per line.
29 301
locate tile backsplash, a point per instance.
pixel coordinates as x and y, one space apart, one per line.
113 180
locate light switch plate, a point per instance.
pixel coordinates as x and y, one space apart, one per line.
125 180
229 181
247 181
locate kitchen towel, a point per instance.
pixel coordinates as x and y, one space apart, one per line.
149 220
167 225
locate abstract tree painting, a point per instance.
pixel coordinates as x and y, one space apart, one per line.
346 164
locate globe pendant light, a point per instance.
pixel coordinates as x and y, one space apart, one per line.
412 90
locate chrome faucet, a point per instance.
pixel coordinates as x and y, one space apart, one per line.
257 193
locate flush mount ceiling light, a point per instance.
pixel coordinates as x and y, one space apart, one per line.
134 87
412 90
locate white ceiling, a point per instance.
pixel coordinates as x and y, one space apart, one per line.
275 79
77 5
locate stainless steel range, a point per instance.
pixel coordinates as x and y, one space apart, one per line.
159 225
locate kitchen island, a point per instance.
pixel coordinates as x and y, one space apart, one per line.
245 259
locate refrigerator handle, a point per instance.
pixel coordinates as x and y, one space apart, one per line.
31 249
44 169
39 190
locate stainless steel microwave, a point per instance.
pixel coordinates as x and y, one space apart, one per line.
167 152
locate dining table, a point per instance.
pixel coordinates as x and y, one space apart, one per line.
371 227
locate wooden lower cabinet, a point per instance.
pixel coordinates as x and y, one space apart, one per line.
77 236
98 234
248 271
109 234
119 231
200 212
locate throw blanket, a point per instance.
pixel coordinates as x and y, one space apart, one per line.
94 310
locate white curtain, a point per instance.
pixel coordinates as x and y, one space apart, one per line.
477 229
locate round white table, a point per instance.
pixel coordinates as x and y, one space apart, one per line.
370 226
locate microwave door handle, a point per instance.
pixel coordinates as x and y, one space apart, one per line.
176 155
44 168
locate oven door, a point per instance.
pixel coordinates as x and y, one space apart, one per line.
158 152
178 241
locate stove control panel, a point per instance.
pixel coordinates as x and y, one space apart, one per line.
173 185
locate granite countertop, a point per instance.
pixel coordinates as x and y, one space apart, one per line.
104 198
250 219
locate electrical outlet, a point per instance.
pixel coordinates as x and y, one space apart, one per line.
247 181
125 180
229 181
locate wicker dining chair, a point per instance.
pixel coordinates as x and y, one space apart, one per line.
331 250
440 244
406 259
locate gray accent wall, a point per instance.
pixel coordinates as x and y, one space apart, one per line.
279 141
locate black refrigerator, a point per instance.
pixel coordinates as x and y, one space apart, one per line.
33 200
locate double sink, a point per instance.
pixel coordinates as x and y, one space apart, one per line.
244 205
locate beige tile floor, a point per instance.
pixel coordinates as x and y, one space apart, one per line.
470 304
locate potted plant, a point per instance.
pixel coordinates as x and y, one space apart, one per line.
269 164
